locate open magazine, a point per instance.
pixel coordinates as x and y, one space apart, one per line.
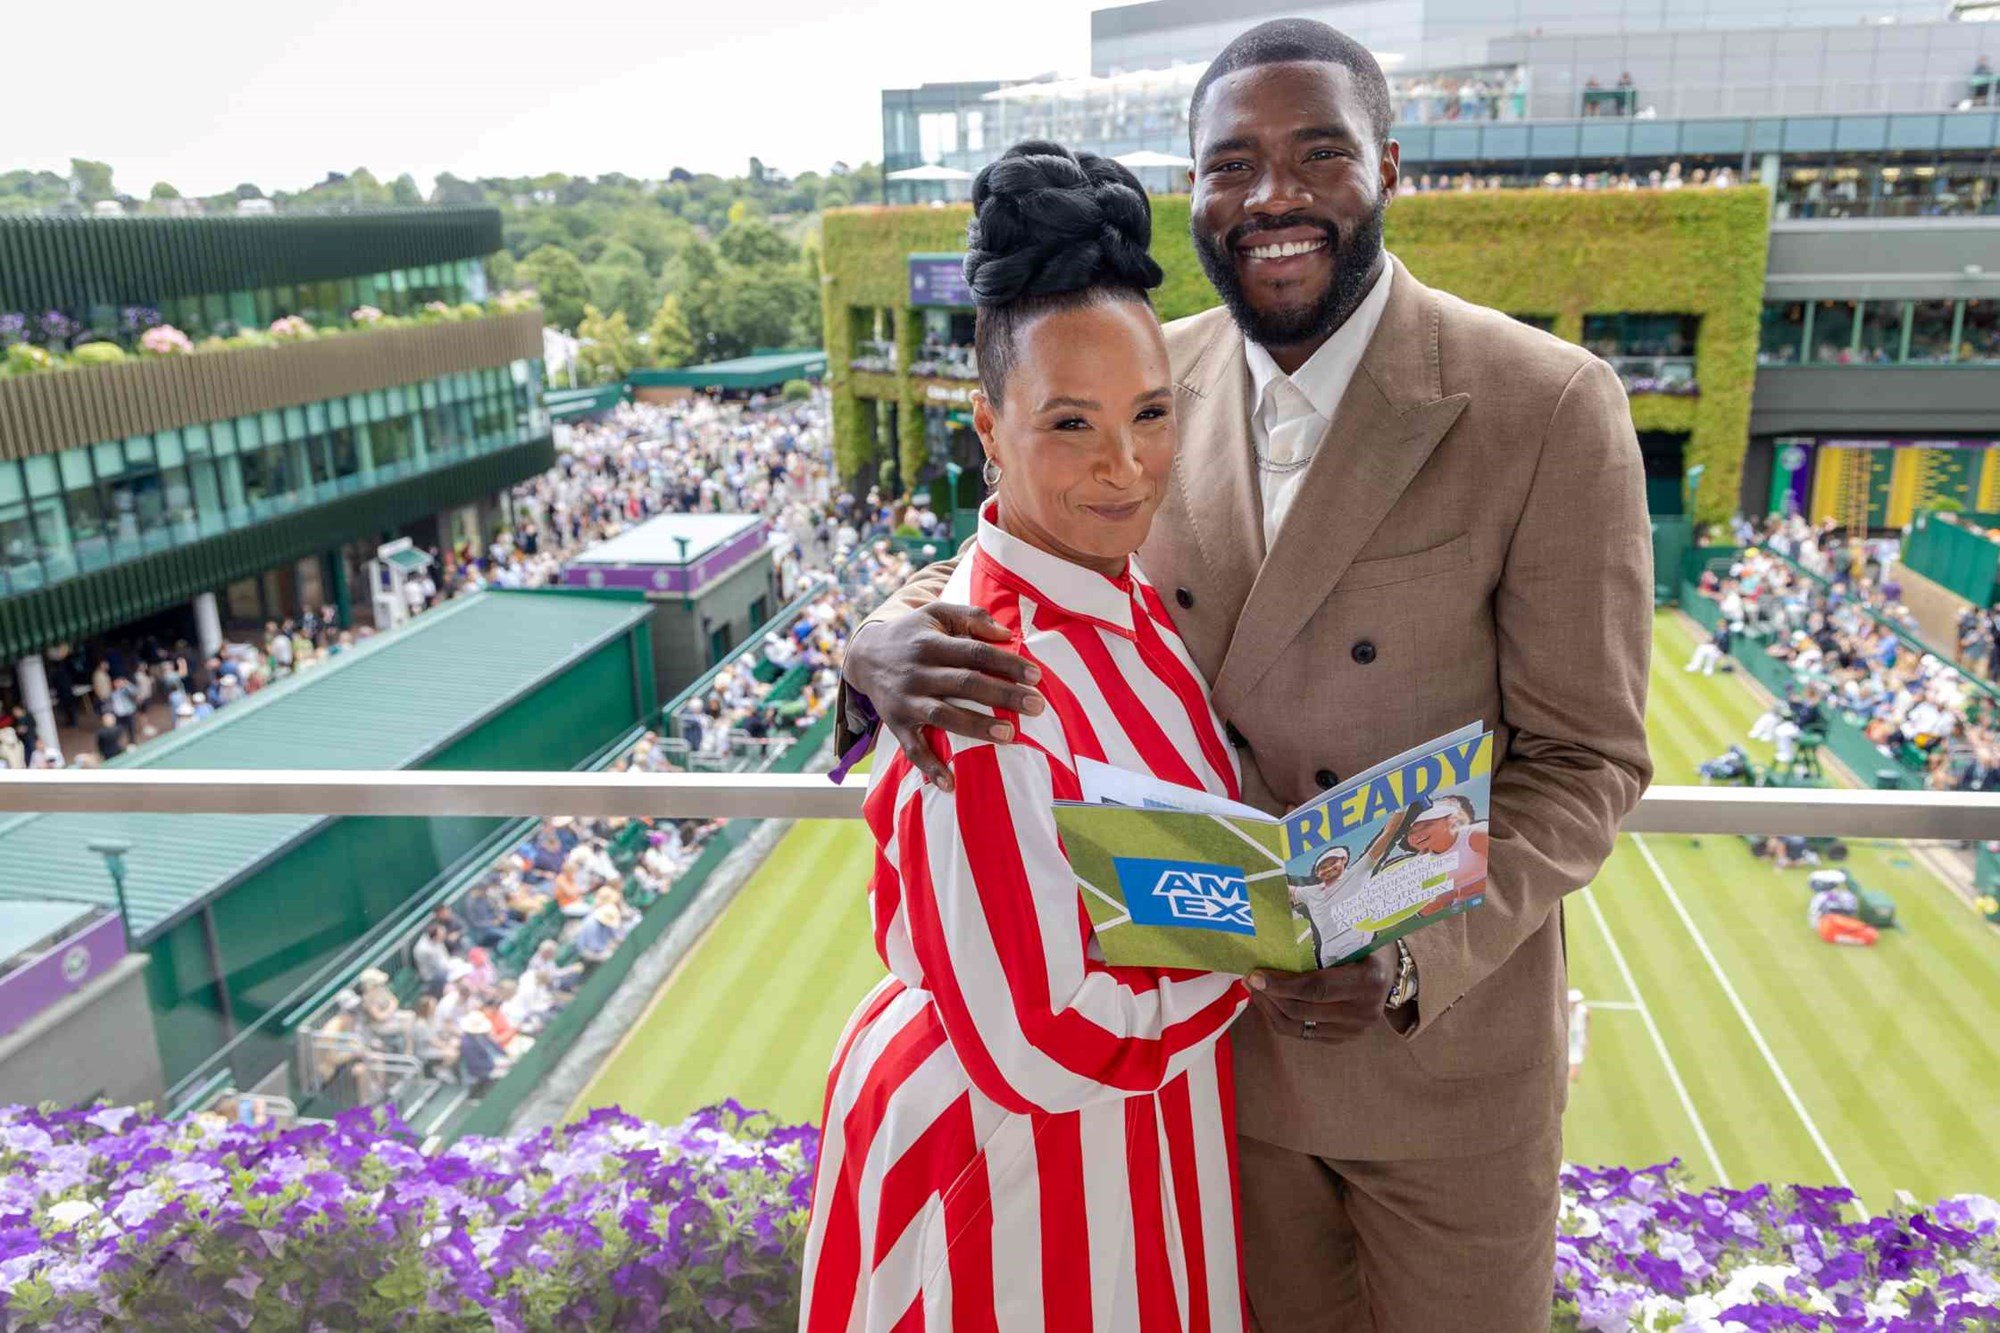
1175 877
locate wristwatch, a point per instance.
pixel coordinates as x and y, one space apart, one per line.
1405 989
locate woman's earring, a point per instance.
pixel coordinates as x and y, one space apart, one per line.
990 474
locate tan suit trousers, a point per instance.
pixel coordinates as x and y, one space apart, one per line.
1413 1245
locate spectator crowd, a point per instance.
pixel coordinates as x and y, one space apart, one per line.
485 974
1853 648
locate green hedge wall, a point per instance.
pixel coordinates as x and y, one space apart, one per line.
1529 252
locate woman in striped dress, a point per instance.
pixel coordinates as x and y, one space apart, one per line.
1018 1136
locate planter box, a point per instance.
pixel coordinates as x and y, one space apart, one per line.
62 409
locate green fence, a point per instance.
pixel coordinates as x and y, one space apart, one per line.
1958 552
492 1112
1844 740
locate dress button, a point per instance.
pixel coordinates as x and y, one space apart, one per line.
1364 652
1235 736
1327 779
1184 597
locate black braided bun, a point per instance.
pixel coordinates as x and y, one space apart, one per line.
1048 221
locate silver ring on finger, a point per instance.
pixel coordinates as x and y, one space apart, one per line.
1307 1028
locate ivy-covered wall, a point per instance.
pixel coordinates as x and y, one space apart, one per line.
1527 252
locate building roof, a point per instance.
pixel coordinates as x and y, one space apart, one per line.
657 540
391 703
765 370
27 925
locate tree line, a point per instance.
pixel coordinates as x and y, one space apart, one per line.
647 272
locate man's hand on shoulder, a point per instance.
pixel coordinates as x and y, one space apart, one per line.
914 666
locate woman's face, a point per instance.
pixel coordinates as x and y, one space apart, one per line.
1085 436
1438 835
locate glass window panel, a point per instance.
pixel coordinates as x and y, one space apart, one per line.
168 446
243 309
249 436
1781 334
75 464
139 450
40 473
316 418
1833 332
1930 331
1979 338
295 423
273 425
110 457
336 413
178 494
1882 331
12 489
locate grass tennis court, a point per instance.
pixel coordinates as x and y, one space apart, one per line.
1722 1032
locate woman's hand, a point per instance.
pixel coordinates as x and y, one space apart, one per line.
913 666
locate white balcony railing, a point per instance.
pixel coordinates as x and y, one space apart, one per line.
1812 812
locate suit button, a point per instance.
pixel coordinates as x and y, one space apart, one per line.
1184 597
1235 736
1363 652
1327 779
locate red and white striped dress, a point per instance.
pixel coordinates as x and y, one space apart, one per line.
1016 1135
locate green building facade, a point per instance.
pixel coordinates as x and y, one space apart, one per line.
329 381
1667 285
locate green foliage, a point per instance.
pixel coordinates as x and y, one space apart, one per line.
560 281
795 391
1698 252
97 354
668 341
93 180
607 352
753 242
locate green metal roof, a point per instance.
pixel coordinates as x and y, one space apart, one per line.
29 925
391 703
568 404
764 371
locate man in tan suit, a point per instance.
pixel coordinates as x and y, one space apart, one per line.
1392 513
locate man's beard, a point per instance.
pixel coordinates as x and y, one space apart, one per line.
1353 255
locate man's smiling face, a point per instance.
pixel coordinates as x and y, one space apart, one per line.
1289 185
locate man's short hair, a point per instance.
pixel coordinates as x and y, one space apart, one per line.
1284 40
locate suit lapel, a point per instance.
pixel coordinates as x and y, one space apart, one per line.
1388 422
1215 471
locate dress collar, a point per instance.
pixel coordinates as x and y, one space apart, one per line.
1054 580
1325 375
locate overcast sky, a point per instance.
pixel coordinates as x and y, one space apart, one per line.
208 93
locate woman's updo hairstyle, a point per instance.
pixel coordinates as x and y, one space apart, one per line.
1051 230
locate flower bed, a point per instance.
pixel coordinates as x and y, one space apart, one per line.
110 1217
1643 1250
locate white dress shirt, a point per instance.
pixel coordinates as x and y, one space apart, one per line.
1290 414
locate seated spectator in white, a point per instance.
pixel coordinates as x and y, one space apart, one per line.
384 1018
431 1041
432 959
341 1047
557 980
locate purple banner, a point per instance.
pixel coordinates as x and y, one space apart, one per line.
939 280
60 972
669 578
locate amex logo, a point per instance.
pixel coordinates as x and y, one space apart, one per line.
1189 894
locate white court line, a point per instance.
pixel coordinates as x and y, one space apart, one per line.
1613 1006
1749 1023
1659 1042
